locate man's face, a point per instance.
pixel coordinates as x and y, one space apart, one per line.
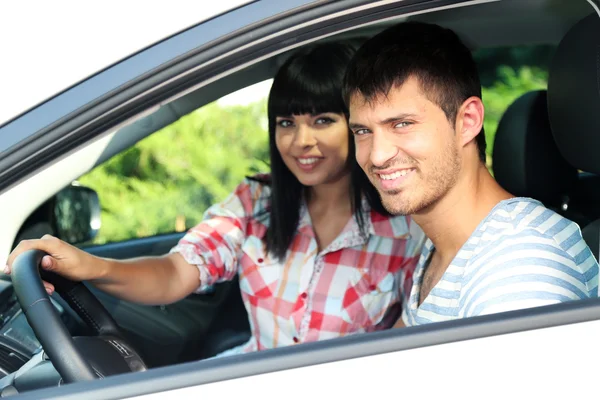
406 146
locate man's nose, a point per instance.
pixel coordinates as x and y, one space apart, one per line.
382 149
304 136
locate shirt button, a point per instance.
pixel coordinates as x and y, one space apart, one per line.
260 260
296 340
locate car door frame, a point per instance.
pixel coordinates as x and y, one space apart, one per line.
549 333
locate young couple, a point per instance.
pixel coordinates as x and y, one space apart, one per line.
378 202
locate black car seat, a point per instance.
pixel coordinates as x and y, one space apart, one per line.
526 159
574 104
231 328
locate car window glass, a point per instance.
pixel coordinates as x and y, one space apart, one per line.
507 73
165 182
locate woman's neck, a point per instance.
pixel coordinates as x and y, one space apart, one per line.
330 209
330 196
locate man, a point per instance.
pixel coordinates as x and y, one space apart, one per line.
417 116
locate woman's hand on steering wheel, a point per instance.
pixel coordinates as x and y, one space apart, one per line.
62 258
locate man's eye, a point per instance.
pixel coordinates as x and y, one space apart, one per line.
402 124
285 123
360 132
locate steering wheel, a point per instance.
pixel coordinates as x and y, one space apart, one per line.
80 358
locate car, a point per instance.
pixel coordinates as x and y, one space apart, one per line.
84 343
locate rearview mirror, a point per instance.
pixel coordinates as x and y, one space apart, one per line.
77 214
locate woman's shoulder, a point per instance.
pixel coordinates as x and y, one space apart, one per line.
257 183
255 189
262 178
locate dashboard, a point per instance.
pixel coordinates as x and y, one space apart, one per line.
18 342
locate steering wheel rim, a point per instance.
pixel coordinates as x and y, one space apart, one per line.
46 322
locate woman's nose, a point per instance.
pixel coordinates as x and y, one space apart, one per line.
304 136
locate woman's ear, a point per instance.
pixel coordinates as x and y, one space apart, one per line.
469 119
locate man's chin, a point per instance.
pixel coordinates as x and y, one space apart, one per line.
393 206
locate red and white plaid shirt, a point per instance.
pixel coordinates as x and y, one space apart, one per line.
346 288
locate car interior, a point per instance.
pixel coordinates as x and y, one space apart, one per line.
536 153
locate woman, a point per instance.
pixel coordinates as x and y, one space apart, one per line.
316 253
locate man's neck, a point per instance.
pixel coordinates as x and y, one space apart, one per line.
450 222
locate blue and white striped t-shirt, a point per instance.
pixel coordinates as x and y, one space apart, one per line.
521 255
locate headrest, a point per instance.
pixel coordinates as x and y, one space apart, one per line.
526 160
574 97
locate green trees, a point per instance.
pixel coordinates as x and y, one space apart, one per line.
165 182
507 88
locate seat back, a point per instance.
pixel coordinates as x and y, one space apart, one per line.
526 159
574 104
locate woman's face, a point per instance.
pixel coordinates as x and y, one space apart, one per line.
314 147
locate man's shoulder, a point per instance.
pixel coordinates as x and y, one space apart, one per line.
520 221
529 217
527 254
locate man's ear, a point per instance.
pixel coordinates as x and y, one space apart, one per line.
469 119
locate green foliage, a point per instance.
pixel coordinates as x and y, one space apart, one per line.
513 57
165 182
510 85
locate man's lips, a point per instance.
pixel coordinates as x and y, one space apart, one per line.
392 178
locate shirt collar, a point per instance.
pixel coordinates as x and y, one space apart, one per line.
397 227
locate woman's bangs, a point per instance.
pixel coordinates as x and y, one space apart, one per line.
305 96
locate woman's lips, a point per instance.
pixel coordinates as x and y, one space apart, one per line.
308 163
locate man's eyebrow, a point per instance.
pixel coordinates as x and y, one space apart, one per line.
353 126
398 117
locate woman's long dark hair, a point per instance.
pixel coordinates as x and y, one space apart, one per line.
309 82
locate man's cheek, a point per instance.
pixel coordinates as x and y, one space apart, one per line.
362 154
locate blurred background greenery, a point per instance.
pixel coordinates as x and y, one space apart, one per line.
165 182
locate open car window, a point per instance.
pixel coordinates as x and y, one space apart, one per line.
506 73
165 182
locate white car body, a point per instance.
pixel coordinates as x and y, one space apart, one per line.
542 364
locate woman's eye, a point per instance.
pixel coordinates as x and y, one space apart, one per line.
285 123
324 121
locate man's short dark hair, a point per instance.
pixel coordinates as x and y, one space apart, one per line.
434 55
